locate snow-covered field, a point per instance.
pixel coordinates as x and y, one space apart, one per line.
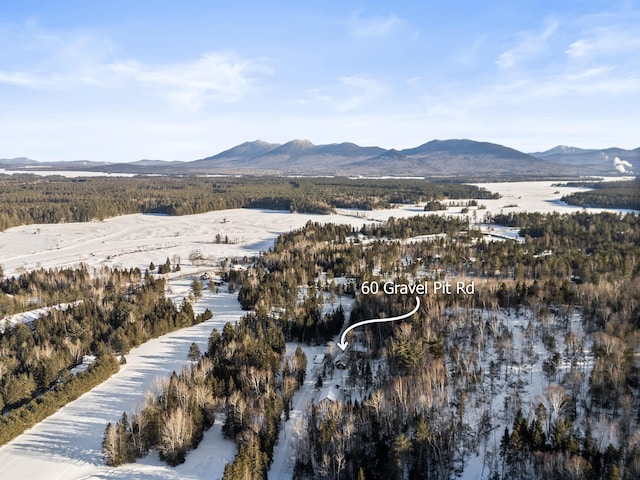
535 197
67 444
136 240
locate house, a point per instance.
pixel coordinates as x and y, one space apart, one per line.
341 361
332 395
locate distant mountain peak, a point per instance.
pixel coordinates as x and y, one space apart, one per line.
294 147
298 143
566 149
246 150
18 161
465 147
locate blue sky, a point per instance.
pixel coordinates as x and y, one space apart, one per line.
125 80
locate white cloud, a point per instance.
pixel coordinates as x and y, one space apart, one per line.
19 79
604 81
71 61
371 27
472 53
216 76
604 41
530 43
221 77
414 82
43 59
364 90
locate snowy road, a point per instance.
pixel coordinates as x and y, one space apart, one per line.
282 466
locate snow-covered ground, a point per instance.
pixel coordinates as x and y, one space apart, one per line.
520 381
543 196
136 240
64 173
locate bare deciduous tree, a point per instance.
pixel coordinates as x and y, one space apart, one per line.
558 399
176 435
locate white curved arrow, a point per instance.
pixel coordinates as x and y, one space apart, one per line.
343 344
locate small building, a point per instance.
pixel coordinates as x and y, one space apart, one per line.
341 361
332 395
319 359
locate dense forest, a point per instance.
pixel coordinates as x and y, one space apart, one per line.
622 194
535 375
438 389
40 288
28 199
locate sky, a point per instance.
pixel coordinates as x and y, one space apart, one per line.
125 80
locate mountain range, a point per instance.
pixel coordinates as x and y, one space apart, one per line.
437 158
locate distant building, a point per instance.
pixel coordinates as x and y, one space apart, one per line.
341 361
331 395
319 359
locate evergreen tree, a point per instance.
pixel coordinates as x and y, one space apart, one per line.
194 352
196 288
125 451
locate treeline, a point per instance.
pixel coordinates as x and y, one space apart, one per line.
410 421
172 420
48 287
299 258
583 247
28 199
260 380
36 359
282 283
623 194
368 440
403 228
22 418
